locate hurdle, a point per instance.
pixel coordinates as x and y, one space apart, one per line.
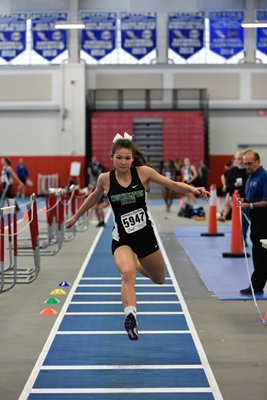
80 195
7 284
67 197
25 242
55 223
13 273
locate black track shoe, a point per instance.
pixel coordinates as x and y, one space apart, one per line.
130 325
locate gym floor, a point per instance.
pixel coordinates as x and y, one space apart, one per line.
231 333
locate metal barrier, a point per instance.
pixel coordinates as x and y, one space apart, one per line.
15 273
7 284
79 197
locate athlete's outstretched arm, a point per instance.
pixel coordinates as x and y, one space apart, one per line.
90 201
149 174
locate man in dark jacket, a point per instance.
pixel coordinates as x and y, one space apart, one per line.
256 202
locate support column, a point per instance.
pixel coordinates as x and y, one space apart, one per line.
250 33
73 34
162 39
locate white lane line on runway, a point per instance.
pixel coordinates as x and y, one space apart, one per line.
119 293
119 302
119 285
32 378
99 278
119 390
121 332
122 313
119 367
209 373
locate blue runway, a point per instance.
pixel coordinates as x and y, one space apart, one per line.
88 354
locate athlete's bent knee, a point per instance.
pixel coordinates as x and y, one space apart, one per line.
159 280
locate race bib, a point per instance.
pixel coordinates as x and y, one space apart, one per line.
134 220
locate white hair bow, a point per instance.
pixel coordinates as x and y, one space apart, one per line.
125 136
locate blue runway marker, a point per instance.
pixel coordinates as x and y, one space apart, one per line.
88 354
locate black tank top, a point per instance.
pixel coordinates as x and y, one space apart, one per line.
130 213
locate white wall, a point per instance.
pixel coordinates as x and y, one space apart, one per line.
56 126
230 131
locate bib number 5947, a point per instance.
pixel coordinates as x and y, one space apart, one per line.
134 220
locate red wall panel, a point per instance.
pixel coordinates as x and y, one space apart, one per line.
47 165
183 133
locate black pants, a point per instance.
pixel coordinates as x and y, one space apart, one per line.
259 253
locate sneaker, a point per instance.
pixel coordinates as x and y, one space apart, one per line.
248 291
130 325
100 224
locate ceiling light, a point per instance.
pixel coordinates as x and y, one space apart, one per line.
69 25
254 24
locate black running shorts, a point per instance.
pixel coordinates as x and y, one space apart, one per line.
142 247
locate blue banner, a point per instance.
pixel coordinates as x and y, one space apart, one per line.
262 32
138 33
226 33
99 35
12 35
186 33
48 41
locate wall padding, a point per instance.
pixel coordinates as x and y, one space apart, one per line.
126 81
258 86
224 86
25 87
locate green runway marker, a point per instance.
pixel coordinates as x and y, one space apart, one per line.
52 300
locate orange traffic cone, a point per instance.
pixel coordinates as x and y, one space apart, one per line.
236 230
25 216
212 217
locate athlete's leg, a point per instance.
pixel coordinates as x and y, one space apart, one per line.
125 261
153 264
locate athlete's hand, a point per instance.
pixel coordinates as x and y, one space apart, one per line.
202 192
70 222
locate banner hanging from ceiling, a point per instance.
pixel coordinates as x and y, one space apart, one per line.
262 32
98 39
138 34
226 33
48 42
186 33
12 35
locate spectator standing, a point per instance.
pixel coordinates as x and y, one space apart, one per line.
178 170
225 214
169 171
203 174
23 175
256 202
189 176
7 178
236 180
94 169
